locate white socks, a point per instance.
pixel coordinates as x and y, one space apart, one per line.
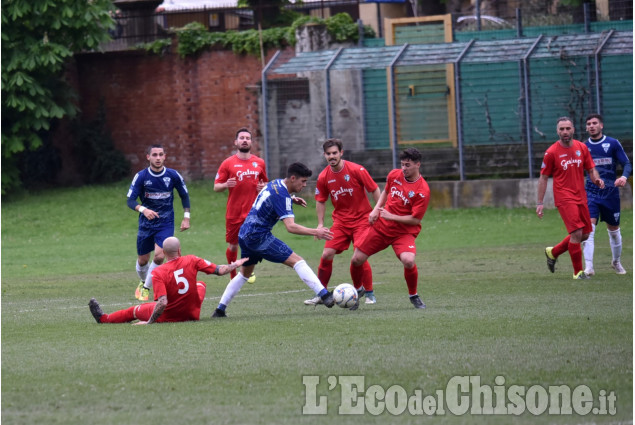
615 239
148 283
233 287
587 249
306 274
142 271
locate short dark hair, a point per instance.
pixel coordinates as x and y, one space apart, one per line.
298 169
243 130
411 154
591 116
565 118
332 142
154 146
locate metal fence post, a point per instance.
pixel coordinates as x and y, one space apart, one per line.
598 89
457 100
525 65
327 83
265 114
393 100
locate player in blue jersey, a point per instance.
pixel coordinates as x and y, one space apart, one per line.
154 186
275 203
604 204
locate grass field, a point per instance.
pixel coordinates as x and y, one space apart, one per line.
493 310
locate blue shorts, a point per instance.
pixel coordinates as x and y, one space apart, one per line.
606 210
147 238
266 247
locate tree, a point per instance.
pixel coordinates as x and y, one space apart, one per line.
38 39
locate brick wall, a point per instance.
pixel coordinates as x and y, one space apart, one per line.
191 106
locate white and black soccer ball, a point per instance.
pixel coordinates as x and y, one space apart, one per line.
345 295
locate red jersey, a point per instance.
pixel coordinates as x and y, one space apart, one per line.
347 189
248 172
176 279
566 166
404 198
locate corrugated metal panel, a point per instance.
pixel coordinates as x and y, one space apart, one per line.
490 103
617 96
422 103
376 109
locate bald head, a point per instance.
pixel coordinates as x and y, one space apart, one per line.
171 247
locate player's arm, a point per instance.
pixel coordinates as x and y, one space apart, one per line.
627 167
376 194
133 194
320 209
159 308
226 268
542 189
379 204
181 188
297 229
595 178
409 219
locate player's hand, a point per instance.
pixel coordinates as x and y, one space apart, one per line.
599 183
150 214
621 182
539 210
299 201
385 214
373 216
231 182
324 233
185 224
140 323
235 264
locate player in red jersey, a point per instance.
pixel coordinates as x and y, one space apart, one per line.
346 183
396 221
244 175
177 293
566 161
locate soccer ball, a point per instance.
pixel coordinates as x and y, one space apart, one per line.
345 295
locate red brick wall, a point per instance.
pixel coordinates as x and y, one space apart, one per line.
192 106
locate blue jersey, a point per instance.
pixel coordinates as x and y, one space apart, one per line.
607 153
272 204
156 191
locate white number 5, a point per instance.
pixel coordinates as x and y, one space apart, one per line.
181 279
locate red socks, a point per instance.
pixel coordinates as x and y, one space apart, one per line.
561 248
324 271
231 257
412 276
575 252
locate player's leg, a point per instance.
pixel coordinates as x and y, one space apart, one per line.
406 250
612 219
325 269
145 246
303 270
233 287
359 234
588 246
231 237
137 312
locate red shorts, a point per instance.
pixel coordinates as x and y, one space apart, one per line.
576 216
375 242
344 234
232 226
144 311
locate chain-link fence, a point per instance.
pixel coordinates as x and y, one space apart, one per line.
484 105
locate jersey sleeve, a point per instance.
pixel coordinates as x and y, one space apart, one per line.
622 158
420 205
263 175
205 266
158 283
133 192
546 168
366 179
181 188
588 159
223 173
321 191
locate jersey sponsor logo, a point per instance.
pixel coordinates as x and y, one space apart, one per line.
166 181
563 155
395 192
603 161
247 174
158 195
238 165
347 178
147 183
565 164
398 182
331 181
606 147
341 191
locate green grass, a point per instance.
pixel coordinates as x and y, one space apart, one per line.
493 310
